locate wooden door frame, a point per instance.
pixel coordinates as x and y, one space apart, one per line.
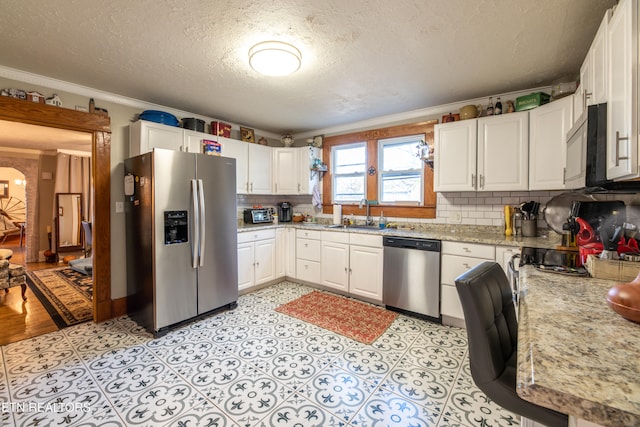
99 126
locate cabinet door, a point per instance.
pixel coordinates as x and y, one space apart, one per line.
265 260
504 254
455 265
335 265
290 255
586 88
245 265
145 136
260 169
281 251
307 179
503 152
365 272
455 156
193 140
548 127
285 171
450 304
240 151
576 166
622 147
598 57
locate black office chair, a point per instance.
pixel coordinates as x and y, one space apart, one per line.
492 330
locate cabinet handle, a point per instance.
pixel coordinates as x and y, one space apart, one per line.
306 266
350 271
247 186
473 180
252 187
467 266
306 245
618 139
564 176
481 181
276 187
466 249
585 95
298 188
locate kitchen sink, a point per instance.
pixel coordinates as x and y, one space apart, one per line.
356 227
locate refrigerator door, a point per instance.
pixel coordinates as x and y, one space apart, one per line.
218 271
175 292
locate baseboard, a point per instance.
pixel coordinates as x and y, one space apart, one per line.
118 307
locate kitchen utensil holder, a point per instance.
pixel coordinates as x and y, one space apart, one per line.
530 228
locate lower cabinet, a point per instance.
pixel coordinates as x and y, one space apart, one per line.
286 252
308 255
256 258
458 258
352 263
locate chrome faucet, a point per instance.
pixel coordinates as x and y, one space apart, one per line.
364 201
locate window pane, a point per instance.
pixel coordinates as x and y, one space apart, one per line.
400 156
349 160
348 188
404 187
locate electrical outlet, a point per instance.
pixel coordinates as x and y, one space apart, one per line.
456 217
119 207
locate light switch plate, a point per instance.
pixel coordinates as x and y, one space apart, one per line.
119 207
456 217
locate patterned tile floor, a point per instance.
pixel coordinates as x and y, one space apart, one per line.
248 367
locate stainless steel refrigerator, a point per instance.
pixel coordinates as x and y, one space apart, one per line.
181 225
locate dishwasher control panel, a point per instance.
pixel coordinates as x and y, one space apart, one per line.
418 244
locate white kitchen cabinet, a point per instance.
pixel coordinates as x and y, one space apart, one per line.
292 170
458 258
308 255
548 127
144 136
485 154
280 252
455 156
256 258
193 141
503 152
260 169
352 263
575 172
285 171
286 252
238 150
504 254
622 102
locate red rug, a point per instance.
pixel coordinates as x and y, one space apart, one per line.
353 319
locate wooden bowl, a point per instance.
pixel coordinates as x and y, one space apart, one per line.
298 218
624 299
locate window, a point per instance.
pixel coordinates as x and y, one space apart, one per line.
401 171
349 163
380 165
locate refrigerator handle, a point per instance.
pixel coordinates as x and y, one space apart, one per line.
194 225
203 217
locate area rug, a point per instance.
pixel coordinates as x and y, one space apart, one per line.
65 294
353 319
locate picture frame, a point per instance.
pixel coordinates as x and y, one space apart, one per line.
451 118
247 134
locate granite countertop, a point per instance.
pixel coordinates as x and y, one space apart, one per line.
575 354
472 234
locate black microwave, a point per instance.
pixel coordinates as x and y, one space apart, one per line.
257 216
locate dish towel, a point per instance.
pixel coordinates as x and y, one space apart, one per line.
316 200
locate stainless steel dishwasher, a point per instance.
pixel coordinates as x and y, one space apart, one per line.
411 278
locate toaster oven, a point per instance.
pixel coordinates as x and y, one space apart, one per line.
258 216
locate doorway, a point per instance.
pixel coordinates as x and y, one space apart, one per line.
97 126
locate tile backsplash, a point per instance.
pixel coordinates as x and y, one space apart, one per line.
472 208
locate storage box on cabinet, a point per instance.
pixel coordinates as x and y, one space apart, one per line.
458 258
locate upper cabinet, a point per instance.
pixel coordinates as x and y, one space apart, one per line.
145 136
485 154
292 172
260 169
548 127
622 107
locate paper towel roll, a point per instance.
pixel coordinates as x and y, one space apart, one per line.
337 214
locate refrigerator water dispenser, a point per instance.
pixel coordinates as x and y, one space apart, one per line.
176 227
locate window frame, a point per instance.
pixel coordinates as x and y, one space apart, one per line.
427 210
362 144
382 142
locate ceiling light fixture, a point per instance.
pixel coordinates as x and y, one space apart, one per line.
274 58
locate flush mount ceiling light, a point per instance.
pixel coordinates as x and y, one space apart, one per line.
274 58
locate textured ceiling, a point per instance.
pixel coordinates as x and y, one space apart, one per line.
361 58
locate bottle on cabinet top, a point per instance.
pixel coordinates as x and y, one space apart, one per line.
490 107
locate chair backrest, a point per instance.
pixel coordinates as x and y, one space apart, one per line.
490 318
88 236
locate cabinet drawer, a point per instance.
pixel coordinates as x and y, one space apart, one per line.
335 237
308 270
308 249
469 249
450 303
309 234
454 265
365 240
253 235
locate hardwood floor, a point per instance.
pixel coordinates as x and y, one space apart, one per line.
23 319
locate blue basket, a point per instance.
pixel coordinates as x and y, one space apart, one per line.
160 117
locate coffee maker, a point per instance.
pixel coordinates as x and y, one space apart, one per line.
285 212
